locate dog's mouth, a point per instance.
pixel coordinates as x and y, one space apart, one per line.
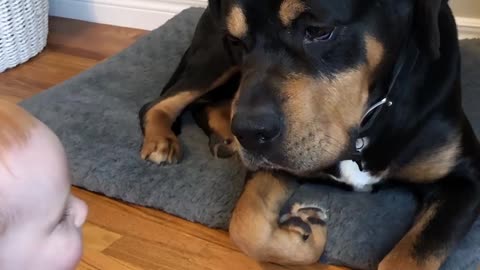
311 162
256 161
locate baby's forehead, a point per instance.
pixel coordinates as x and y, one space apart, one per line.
40 153
29 151
35 175
23 134
16 126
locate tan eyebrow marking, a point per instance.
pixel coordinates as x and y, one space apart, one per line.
290 10
237 22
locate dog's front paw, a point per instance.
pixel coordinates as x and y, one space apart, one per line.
162 149
306 220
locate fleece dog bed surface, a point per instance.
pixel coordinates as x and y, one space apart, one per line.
95 115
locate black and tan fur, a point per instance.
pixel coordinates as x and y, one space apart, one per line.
285 83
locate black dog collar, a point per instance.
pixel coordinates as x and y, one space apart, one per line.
406 63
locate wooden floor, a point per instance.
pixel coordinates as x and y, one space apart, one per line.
117 235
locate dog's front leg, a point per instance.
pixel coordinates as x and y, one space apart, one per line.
205 66
447 214
214 120
256 228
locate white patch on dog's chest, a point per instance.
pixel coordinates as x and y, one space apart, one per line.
352 175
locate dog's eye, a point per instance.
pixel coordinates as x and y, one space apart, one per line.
317 33
234 41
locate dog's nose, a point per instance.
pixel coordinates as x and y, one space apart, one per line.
254 129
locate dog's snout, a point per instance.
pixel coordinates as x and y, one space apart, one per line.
256 129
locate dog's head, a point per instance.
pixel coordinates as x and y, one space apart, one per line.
308 69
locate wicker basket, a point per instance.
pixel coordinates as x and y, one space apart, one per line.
23 30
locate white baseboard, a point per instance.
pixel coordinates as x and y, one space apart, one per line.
468 27
150 14
141 14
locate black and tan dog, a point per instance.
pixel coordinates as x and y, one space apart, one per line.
358 91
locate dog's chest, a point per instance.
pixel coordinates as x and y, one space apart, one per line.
349 172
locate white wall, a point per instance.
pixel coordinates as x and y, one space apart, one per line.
466 8
149 14
143 14
467 14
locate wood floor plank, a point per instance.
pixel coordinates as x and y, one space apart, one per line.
150 255
45 70
98 239
98 260
131 221
88 40
121 236
180 253
73 46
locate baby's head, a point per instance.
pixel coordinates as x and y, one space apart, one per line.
40 220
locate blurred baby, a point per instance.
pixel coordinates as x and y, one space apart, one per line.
40 220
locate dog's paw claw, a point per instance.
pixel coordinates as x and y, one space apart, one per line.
301 219
296 224
162 150
314 215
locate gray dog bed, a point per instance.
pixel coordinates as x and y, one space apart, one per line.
95 115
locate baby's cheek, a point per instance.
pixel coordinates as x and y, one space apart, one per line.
76 251
66 251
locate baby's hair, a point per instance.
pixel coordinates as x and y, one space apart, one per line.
16 125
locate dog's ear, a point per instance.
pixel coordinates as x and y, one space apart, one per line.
215 7
426 26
